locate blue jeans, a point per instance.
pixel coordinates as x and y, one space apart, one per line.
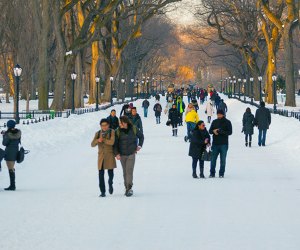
145 112
216 150
262 134
190 126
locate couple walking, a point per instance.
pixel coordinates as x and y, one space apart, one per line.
121 144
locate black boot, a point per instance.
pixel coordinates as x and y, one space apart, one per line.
176 130
250 144
12 177
201 173
173 132
195 175
246 143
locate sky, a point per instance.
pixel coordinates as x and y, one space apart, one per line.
182 13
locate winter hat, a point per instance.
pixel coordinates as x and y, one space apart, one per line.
11 124
220 112
131 105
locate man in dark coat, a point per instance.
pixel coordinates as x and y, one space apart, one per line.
263 122
11 141
126 110
145 106
222 105
221 129
136 119
113 120
157 109
128 141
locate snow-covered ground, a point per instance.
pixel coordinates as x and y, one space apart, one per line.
56 205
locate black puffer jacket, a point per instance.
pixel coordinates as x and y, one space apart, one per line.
11 140
174 116
113 122
197 145
225 130
248 123
127 140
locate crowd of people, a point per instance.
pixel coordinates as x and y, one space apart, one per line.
122 138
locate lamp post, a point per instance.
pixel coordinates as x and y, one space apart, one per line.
132 88
234 84
143 84
147 86
221 86
73 77
17 73
111 90
226 79
137 88
252 94
239 81
97 92
260 92
230 89
274 78
245 83
124 86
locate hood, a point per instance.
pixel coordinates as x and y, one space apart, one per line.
14 134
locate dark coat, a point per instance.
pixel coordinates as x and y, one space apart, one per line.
248 123
127 140
157 109
225 129
223 106
136 121
263 118
145 104
11 141
125 110
197 145
174 116
113 122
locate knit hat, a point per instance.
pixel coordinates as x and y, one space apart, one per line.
11 124
131 105
220 112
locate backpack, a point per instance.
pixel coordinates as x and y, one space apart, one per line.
158 108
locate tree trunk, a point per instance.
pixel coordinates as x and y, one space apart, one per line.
93 73
79 82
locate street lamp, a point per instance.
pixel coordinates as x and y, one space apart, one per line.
123 82
111 90
137 88
73 77
230 88
226 84
245 83
221 86
252 94
132 88
239 81
17 73
274 78
97 92
143 85
147 86
260 92
234 87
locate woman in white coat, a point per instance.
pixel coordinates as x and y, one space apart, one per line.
209 110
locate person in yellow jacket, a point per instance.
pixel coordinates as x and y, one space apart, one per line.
191 119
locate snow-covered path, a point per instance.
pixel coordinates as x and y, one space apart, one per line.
56 205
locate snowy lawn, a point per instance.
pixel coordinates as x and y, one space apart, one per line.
56 205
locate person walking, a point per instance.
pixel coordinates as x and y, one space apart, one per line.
248 126
113 120
200 139
209 110
145 106
221 129
11 141
217 101
223 106
129 141
195 104
105 139
191 120
136 119
180 107
262 121
157 110
126 110
174 119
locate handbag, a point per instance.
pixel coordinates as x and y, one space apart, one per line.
21 154
206 154
168 123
